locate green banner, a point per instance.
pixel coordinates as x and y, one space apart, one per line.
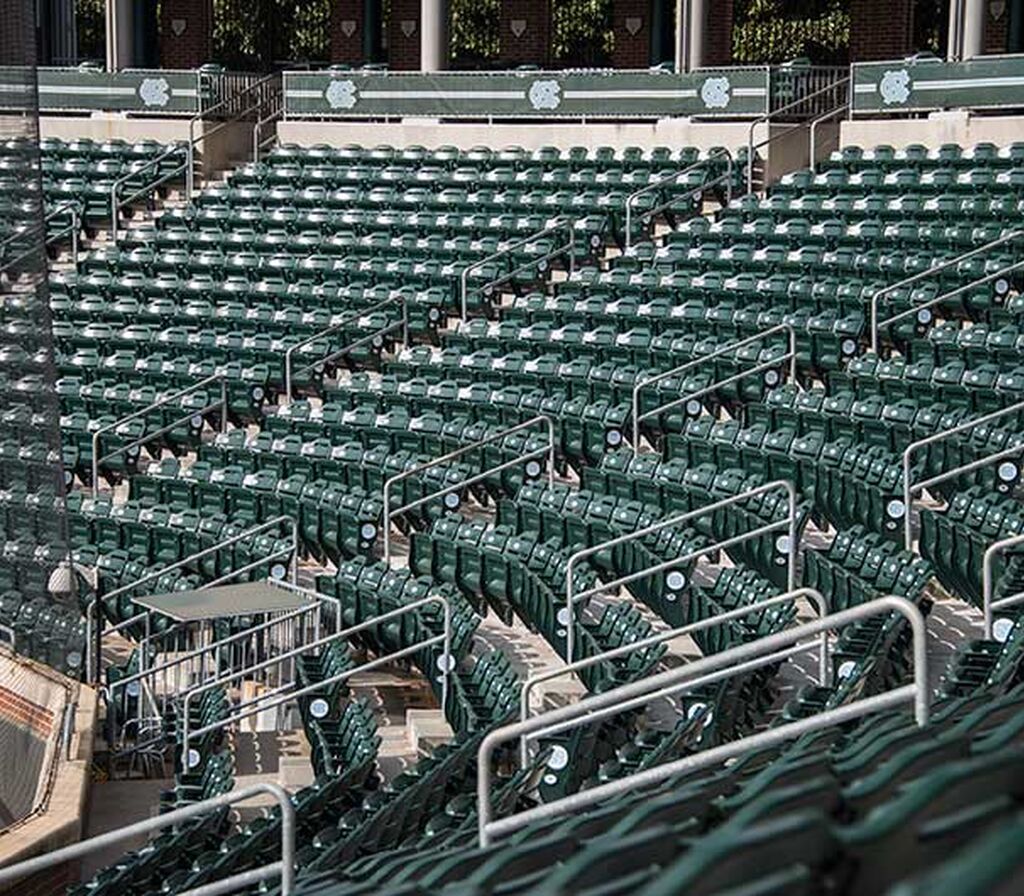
158 92
929 84
528 94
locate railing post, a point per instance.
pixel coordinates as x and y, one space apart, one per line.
401 299
672 178
319 644
988 581
148 437
661 637
553 227
278 697
915 310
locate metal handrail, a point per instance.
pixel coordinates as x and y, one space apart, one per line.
938 300
222 404
259 704
238 674
689 194
73 229
445 663
182 658
702 671
821 119
399 298
257 143
768 116
670 178
701 625
988 581
931 272
117 204
90 610
548 449
130 621
204 114
911 488
285 867
309 592
288 622
792 549
563 221
790 356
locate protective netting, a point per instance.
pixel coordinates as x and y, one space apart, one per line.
32 486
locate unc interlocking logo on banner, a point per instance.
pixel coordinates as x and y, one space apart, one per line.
716 92
155 91
341 94
895 87
545 95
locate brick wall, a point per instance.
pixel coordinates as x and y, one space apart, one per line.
404 35
23 713
881 29
526 32
997 30
17 43
631 21
718 34
186 27
347 32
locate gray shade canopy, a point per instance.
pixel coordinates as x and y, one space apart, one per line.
246 599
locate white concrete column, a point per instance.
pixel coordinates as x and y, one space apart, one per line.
433 35
691 34
682 36
954 34
698 33
120 34
125 33
974 28
110 20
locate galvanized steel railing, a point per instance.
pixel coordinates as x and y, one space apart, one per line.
761 367
912 488
720 666
221 404
790 546
285 868
556 226
547 450
534 680
284 694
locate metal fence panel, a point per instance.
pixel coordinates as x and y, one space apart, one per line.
900 86
593 94
159 91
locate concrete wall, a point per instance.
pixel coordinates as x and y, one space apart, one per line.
674 132
229 146
61 822
937 128
112 126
